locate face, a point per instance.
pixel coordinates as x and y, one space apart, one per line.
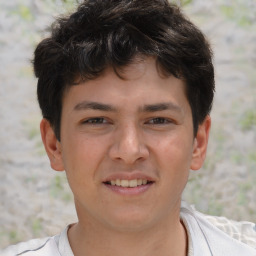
127 147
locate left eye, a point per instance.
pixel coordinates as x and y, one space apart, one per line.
96 120
159 120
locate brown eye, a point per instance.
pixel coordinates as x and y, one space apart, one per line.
95 120
159 120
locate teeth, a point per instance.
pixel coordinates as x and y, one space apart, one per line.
124 183
133 183
128 183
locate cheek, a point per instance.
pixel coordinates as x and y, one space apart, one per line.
175 149
174 160
80 162
173 164
82 157
81 148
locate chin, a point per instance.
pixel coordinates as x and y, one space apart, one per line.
130 220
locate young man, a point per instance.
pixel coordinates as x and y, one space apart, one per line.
126 88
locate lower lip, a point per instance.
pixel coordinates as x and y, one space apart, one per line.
130 191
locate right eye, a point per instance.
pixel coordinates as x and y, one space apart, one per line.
95 121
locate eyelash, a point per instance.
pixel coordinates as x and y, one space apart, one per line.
95 121
159 120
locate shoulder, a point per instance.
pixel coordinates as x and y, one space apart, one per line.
242 231
32 247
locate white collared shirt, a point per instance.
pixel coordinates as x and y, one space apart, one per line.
207 236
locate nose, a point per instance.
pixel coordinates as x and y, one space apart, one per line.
128 145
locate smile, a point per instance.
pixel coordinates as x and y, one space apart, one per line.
128 183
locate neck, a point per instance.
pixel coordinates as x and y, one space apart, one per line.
166 239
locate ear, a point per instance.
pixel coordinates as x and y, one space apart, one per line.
200 144
52 145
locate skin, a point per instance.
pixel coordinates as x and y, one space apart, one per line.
111 127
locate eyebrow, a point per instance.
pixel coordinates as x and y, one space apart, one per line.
161 107
85 105
94 105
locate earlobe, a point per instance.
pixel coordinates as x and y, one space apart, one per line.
200 144
52 145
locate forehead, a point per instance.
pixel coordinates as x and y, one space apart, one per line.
140 83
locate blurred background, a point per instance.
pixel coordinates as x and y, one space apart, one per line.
36 201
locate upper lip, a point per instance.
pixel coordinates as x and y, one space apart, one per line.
128 176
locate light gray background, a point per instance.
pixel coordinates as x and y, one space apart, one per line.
36 201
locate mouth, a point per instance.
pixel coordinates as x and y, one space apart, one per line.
128 183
